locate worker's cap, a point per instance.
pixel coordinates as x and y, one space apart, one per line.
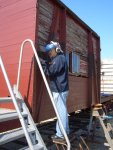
49 47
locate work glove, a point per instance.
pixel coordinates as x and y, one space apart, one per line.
44 64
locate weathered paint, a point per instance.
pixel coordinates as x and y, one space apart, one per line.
82 89
42 21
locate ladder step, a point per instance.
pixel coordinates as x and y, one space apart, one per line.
36 147
10 116
7 99
13 135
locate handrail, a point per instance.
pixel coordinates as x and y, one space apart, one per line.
15 103
46 84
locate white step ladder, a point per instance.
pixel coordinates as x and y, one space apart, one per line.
22 113
28 126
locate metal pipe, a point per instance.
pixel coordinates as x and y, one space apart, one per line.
46 84
15 104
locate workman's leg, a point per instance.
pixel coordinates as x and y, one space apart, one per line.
60 101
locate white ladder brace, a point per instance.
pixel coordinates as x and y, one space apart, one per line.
21 118
46 84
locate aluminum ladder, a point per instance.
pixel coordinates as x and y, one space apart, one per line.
16 89
46 84
19 98
22 113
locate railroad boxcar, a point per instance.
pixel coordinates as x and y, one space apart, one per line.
43 21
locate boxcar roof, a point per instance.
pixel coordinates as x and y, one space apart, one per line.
76 17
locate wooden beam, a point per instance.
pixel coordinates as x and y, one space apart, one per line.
54 25
90 66
62 29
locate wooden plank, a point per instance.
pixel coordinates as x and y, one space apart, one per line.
20 38
77 99
21 23
15 31
18 7
15 66
74 31
5 3
20 14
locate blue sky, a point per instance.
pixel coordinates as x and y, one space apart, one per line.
98 14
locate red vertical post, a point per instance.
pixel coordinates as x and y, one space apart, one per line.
95 76
98 67
93 71
95 80
62 29
54 25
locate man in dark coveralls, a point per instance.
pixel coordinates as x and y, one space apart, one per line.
57 70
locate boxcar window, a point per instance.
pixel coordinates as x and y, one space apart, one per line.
75 63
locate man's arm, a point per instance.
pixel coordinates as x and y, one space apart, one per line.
56 66
44 64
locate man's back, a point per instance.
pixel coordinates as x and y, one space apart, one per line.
58 73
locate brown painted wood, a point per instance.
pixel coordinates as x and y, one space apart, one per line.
41 21
98 68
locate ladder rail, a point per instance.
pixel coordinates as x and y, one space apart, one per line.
30 120
15 103
46 84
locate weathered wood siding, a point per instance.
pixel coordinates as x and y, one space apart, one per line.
33 19
44 19
78 99
77 41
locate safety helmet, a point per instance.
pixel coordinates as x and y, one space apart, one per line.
49 47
